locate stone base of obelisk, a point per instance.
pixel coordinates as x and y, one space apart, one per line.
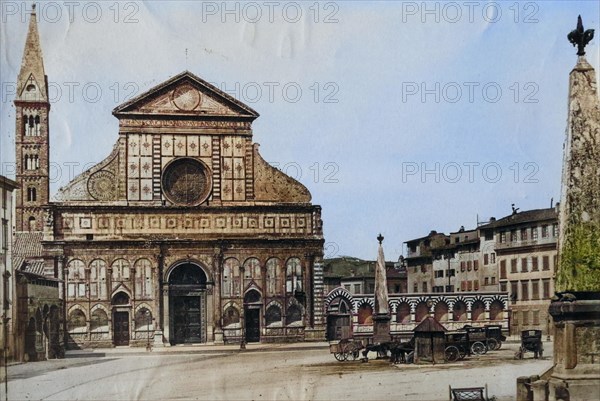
381 328
576 372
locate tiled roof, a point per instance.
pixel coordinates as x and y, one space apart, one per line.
27 245
34 266
429 325
527 216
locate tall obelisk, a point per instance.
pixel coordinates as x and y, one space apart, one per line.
576 308
381 314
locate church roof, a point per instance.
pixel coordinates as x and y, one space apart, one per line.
234 107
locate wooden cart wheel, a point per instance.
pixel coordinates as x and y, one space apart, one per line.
499 345
492 344
452 353
478 348
340 356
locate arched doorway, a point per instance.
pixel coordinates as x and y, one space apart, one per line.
477 311
121 306
441 312
338 319
403 313
252 304
459 312
187 304
496 310
421 312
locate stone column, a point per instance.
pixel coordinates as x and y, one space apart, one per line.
217 304
576 308
381 313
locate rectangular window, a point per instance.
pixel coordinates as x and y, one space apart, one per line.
503 237
469 285
555 230
514 291
535 289
357 288
475 265
476 285
424 286
536 317
523 234
492 258
469 265
534 263
544 231
486 260
513 235
423 269
489 235
347 287
503 287
486 281
523 265
546 262
463 285
449 288
515 318
462 266
493 280
513 265
546 288
71 290
451 273
6 291
415 287
534 233
524 290
525 317
503 268
5 234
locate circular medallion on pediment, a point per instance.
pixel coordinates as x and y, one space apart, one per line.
186 97
186 181
102 186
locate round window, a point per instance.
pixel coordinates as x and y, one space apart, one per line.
186 181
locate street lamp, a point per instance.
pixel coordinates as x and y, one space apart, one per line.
148 321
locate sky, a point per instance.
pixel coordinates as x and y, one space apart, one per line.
399 117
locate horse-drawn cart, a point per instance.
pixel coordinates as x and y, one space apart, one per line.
345 349
531 341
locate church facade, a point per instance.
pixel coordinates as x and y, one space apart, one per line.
183 234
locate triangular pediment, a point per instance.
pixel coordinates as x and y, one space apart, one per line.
185 95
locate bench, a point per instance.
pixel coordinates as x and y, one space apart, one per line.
468 394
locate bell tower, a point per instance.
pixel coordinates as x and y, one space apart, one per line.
32 135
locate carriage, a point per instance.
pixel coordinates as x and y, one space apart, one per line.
531 341
345 349
490 335
457 345
493 333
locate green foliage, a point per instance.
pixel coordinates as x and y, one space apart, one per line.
580 259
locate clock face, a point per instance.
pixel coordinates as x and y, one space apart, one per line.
186 97
186 181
